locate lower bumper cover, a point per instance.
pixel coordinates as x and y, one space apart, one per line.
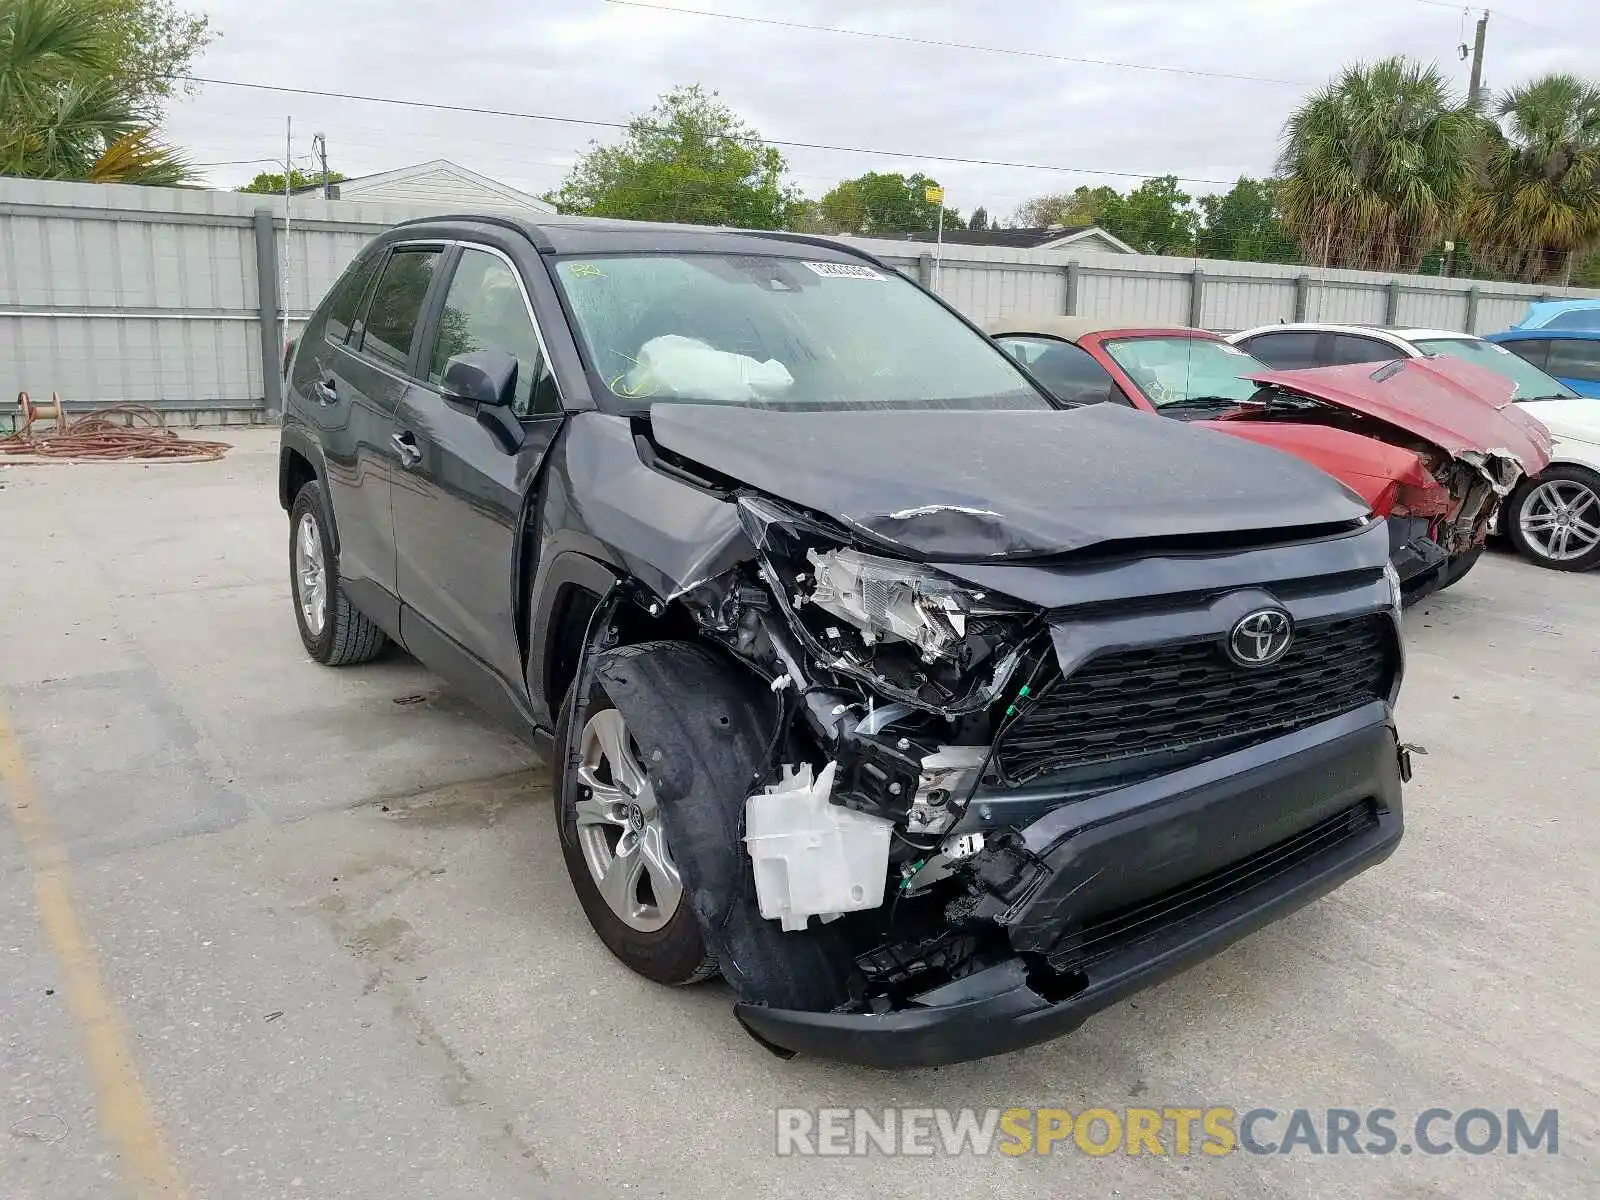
1350 762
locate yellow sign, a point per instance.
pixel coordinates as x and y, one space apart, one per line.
934 195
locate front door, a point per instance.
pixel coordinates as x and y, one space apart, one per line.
460 497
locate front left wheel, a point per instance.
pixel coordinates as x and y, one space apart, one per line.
616 850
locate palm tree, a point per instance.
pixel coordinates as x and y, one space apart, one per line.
1376 165
65 112
1538 208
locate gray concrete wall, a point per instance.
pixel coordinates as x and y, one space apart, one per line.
113 294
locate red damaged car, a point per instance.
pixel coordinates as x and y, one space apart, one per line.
1432 444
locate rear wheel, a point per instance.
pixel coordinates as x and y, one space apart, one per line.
335 632
1554 520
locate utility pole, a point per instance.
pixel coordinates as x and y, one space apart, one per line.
319 146
1475 85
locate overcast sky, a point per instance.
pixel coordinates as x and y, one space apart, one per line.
595 60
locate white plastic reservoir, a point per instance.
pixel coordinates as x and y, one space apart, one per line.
812 858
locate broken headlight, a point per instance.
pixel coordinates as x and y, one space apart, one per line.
900 601
909 632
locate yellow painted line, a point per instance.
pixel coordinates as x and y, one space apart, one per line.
124 1109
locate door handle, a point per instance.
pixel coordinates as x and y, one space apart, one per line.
406 447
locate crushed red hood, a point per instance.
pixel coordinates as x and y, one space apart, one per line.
1465 410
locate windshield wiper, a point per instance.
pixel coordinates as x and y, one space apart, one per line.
1551 396
1203 402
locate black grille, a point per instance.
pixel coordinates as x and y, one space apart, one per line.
1108 934
1189 695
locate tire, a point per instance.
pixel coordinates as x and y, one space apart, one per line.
1538 501
703 723
345 635
668 947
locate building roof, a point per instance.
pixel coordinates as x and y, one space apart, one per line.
433 169
1053 237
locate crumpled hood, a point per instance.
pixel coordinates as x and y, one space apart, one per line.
1464 409
975 485
1577 419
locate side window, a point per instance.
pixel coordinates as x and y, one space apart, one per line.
485 310
1349 348
344 304
397 305
1069 371
1287 351
1535 350
1575 358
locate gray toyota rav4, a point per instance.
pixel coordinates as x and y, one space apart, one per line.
931 713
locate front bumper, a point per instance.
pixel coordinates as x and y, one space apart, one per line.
1188 834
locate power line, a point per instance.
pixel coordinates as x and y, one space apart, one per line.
790 145
1461 8
924 41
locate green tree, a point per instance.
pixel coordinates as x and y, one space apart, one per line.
1154 218
269 184
876 204
75 102
1081 206
689 159
1537 211
1376 166
1242 223
979 221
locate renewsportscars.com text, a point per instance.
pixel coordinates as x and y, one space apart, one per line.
1176 1131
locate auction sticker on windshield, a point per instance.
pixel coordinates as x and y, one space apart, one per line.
844 271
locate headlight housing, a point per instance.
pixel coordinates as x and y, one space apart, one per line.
910 632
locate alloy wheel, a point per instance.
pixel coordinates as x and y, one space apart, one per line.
619 827
311 574
1561 519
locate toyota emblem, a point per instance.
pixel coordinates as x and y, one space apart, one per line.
1260 638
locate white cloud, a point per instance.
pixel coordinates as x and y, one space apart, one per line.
586 58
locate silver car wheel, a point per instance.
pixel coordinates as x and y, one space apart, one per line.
311 574
619 827
1561 519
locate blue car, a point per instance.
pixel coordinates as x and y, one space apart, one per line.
1571 355
1580 315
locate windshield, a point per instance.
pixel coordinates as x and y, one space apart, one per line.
1532 383
1180 370
779 332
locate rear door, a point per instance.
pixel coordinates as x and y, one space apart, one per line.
459 503
353 377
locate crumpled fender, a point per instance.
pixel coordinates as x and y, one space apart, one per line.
703 723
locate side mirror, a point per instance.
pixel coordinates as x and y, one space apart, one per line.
486 377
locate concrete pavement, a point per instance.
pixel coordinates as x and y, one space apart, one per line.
327 916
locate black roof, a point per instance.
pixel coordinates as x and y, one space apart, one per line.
596 235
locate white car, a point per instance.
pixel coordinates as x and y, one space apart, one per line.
1553 518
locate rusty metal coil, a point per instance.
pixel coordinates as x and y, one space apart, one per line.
117 431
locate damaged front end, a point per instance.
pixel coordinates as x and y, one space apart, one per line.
997 822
